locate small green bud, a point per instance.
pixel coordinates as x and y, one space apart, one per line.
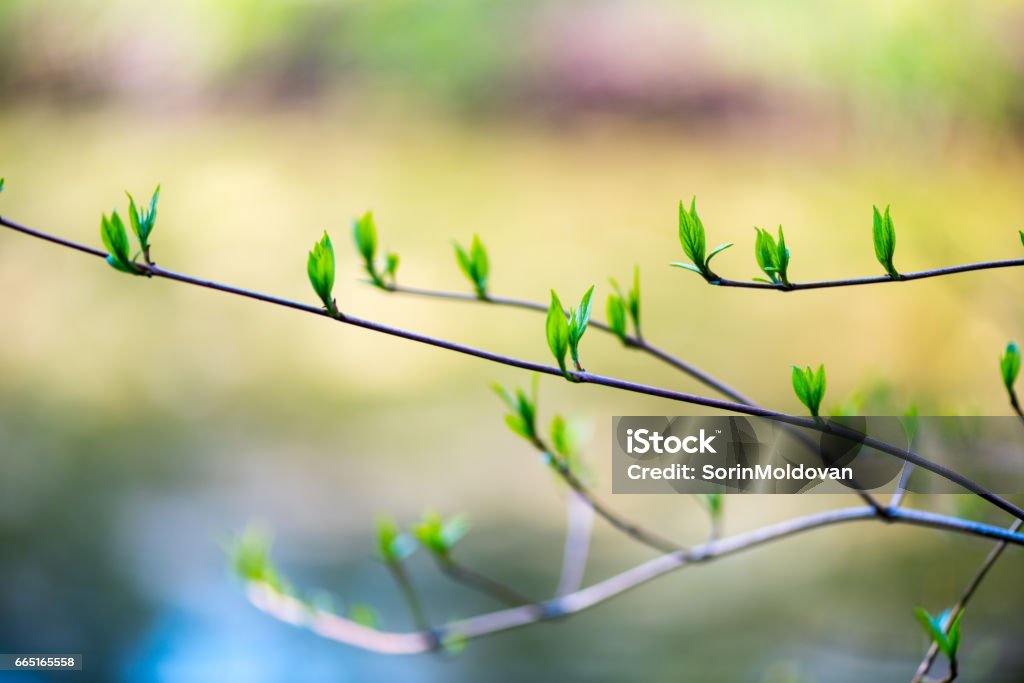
560 436
320 267
143 220
616 312
579 318
392 545
391 266
474 265
772 257
364 232
714 503
884 235
439 536
249 559
1009 366
947 639
115 239
809 387
523 418
557 331
694 242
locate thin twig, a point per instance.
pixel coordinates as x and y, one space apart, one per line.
578 377
901 488
972 587
343 630
483 584
873 280
631 529
1015 404
580 518
631 341
412 599
636 342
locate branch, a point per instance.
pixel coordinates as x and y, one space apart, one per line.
874 280
631 341
577 377
577 543
634 531
972 587
482 583
343 630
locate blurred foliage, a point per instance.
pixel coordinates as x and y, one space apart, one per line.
913 60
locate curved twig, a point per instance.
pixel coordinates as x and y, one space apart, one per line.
343 630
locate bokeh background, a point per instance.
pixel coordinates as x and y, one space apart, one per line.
142 423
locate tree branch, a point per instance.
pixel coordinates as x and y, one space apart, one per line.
968 593
632 341
580 517
874 280
343 630
578 377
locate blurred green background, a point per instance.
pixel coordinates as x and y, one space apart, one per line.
142 423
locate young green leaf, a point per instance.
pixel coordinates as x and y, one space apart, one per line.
320 267
947 639
474 265
557 330
481 266
772 257
578 320
694 242
565 444
884 235
691 234
616 312
714 503
249 560
391 266
519 426
2 189
809 387
143 220
1020 231
624 303
364 232
1009 366
560 436
115 239
392 545
523 418
438 536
